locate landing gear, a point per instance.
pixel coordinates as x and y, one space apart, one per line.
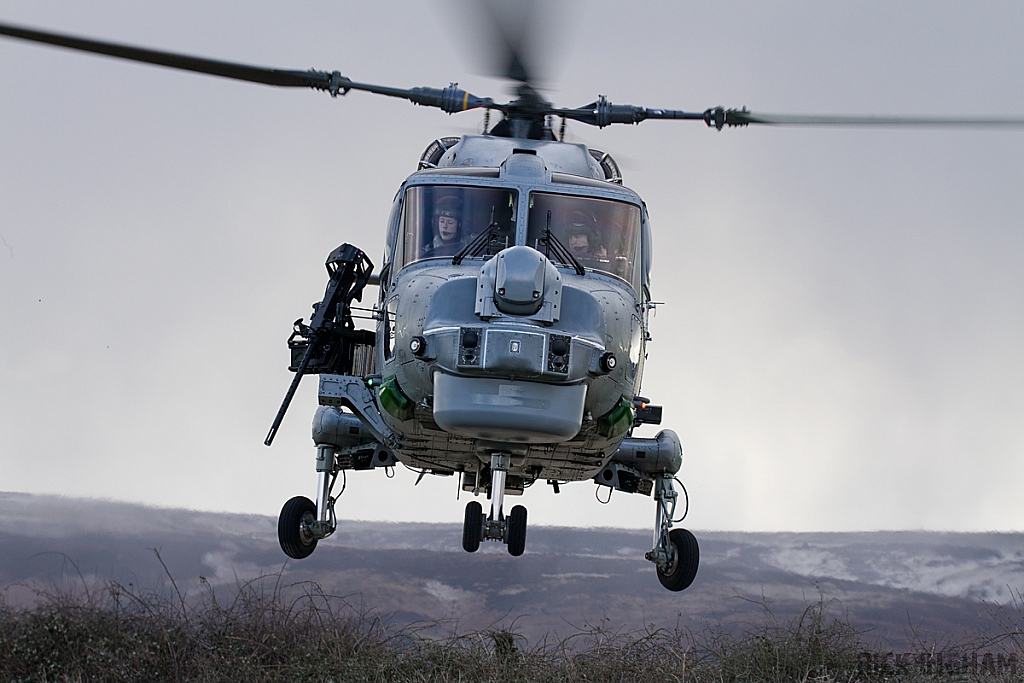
682 570
509 530
515 531
472 527
494 527
675 551
294 528
302 522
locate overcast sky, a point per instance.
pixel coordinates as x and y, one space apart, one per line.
840 346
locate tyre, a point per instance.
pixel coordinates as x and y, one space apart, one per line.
296 516
682 572
473 527
517 531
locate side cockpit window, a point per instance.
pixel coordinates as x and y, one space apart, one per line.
602 234
438 221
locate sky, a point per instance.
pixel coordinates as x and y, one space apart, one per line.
839 346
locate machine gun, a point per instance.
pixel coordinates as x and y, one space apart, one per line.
329 342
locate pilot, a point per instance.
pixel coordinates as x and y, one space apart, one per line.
447 221
582 238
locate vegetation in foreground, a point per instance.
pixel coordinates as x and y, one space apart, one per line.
269 632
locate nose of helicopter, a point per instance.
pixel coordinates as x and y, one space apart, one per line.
512 350
510 376
493 392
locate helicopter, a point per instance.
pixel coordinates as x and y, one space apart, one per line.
493 451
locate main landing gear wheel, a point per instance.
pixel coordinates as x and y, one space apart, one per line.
516 531
683 569
472 528
293 528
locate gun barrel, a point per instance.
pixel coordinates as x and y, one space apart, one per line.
299 372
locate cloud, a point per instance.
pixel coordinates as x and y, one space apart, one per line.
451 596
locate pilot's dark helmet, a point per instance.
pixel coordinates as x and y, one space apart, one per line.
448 206
580 222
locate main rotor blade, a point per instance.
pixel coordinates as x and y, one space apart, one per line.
511 39
603 113
719 118
449 99
511 25
243 72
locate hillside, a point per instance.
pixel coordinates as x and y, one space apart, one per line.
938 585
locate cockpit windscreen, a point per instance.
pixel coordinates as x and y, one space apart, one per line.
439 220
602 234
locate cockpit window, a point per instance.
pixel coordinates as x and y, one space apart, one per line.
602 234
439 220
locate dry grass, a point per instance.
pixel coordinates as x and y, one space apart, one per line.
266 631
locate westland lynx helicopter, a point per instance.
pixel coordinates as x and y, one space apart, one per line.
511 316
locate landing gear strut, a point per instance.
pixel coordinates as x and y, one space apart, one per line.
302 522
675 551
509 530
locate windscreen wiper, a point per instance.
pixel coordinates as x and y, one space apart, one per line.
486 238
554 247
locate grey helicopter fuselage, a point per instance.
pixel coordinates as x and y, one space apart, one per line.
513 351
510 344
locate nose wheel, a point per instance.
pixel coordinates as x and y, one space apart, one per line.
510 530
515 531
294 528
472 528
675 553
681 571
302 522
